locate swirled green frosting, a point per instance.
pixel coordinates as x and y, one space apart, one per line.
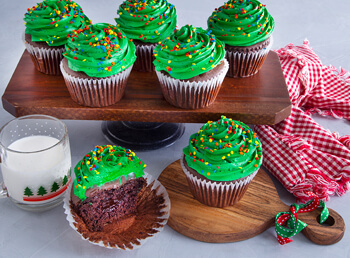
147 20
241 23
105 164
99 50
224 150
188 52
51 20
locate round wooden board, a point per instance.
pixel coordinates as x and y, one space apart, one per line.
252 215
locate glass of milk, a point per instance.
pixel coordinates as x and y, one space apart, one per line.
35 162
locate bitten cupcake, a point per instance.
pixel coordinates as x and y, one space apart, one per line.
47 25
113 203
245 26
191 66
97 64
147 23
220 161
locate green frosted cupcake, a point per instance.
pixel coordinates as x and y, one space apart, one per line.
113 202
47 25
220 161
146 23
245 26
191 66
97 64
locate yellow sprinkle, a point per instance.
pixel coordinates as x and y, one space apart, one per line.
223 157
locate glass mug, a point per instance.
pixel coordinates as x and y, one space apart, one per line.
35 161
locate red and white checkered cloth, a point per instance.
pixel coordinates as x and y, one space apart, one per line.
300 153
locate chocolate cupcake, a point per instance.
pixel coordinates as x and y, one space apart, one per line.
220 161
245 26
146 23
190 65
113 202
47 25
97 64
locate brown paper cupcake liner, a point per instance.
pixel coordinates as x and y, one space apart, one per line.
153 210
144 58
97 92
217 194
245 64
191 95
46 60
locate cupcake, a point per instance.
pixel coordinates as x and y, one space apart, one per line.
146 23
245 26
190 65
112 202
220 161
97 64
47 25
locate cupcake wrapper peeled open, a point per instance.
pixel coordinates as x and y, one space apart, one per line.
246 64
191 95
217 194
158 225
144 60
97 92
47 60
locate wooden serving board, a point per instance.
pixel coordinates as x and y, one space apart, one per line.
252 215
260 99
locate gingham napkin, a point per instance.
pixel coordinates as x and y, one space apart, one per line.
299 152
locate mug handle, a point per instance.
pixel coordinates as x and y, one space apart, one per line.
3 190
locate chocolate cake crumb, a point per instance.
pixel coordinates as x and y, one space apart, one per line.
109 205
129 230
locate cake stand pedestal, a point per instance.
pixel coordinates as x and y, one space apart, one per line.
142 136
260 99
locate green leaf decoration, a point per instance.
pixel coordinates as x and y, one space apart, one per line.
65 180
54 187
42 191
28 192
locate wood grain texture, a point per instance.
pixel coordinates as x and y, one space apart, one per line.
252 215
259 99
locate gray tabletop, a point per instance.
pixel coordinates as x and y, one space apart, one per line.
23 234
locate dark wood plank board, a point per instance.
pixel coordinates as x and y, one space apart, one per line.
259 99
252 215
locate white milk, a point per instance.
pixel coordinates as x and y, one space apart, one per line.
36 169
